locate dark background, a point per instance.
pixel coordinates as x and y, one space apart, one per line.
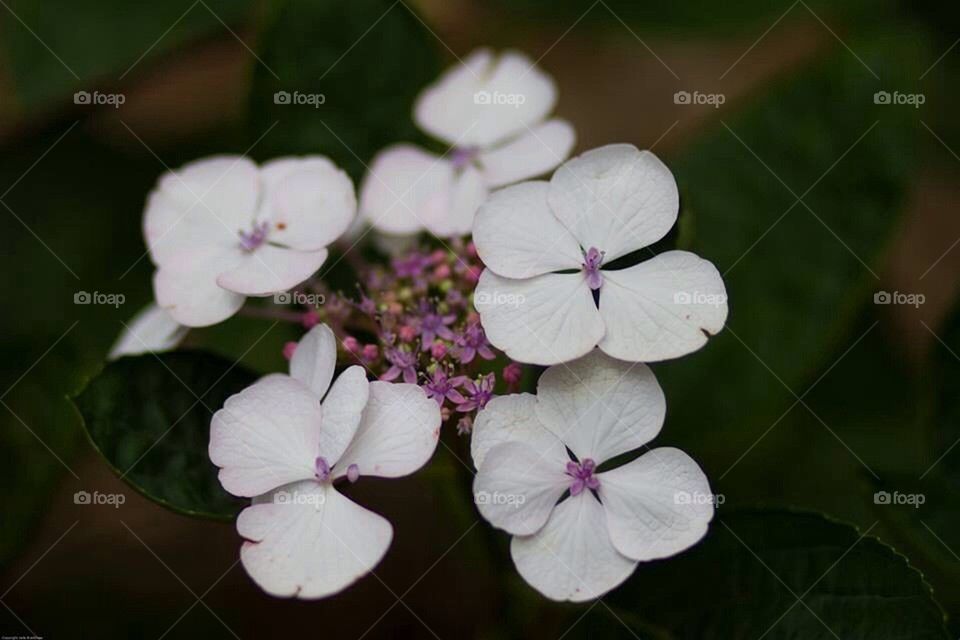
806 194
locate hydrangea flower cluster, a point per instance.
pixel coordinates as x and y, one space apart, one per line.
528 272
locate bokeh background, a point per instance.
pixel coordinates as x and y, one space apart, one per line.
812 194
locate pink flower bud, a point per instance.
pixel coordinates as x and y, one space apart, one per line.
350 344
407 333
442 272
438 349
370 352
310 319
288 349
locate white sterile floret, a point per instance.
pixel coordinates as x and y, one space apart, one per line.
151 330
286 440
222 228
587 544
491 110
547 247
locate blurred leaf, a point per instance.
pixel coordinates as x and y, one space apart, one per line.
368 59
149 416
796 277
744 581
56 47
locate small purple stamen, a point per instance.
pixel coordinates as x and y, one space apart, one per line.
462 156
592 260
353 473
322 469
582 474
250 240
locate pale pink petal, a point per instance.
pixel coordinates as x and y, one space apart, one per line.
533 153
342 412
513 418
151 330
187 289
315 359
270 269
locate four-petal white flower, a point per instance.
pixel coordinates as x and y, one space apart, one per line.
491 110
285 440
587 544
221 228
545 245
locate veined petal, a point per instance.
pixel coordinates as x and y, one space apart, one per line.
266 436
306 540
600 407
315 359
542 320
517 236
662 308
485 99
151 330
533 153
571 557
656 506
342 412
270 269
517 487
308 201
404 188
513 418
615 198
398 432
186 287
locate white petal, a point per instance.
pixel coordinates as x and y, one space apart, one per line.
533 153
309 202
398 432
542 320
513 418
468 193
404 188
615 198
270 269
517 236
571 557
315 358
516 487
600 407
187 289
662 308
310 541
485 99
266 436
207 200
342 412
656 506
151 330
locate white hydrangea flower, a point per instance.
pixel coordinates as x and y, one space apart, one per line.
582 547
151 330
286 440
492 111
546 246
221 228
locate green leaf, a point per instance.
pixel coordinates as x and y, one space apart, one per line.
796 276
149 416
368 59
56 47
744 581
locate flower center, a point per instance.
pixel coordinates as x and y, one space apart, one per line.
250 240
592 260
321 469
582 474
462 156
